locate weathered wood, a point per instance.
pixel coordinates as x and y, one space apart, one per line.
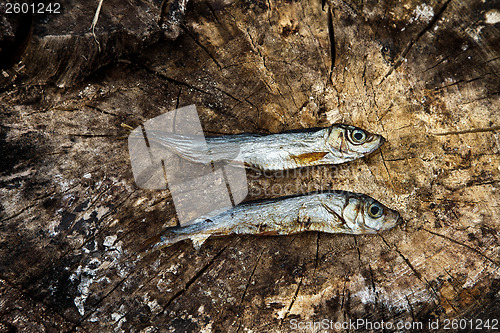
20 313
423 75
64 47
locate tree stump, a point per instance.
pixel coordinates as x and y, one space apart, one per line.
424 75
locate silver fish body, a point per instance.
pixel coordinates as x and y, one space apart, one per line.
330 212
336 144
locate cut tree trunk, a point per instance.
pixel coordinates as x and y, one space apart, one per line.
72 220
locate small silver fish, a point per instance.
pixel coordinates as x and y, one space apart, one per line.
336 144
330 212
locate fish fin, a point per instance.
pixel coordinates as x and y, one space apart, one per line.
198 240
307 158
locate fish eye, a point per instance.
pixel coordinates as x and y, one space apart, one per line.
375 210
358 136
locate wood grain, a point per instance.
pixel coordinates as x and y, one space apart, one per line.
423 75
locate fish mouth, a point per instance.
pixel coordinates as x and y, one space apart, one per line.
399 221
381 141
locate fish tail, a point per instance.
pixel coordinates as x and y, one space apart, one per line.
161 240
149 243
170 237
195 149
188 148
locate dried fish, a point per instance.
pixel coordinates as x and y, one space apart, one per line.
336 144
330 212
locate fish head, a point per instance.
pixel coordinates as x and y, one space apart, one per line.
365 215
349 142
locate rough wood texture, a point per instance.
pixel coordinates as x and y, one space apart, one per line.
424 75
63 48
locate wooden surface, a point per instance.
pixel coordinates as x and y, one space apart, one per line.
425 76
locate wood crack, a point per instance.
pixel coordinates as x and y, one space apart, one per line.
293 300
251 276
414 40
192 280
148 281
386 168
212 11
411 308
95 306
316 260
96 108
331 36
473 130
203 47
464 245
465 81
437 64
318 43
413 269
168 79
229 95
